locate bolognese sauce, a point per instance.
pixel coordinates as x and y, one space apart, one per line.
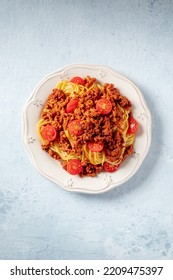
87 126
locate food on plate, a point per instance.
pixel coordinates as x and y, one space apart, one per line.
88 126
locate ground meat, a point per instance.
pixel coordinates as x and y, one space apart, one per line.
89 81
91 170
96 127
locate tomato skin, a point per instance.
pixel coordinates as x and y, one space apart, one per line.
74 128
133 126
104 106
49 132
108 167
74 166
78 80
95 147
71 105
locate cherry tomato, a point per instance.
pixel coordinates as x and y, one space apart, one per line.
74 166
78 80
71 105
108 167
133 126
95 147
104 106
74 128
48 132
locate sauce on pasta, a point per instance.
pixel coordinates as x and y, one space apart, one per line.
88 126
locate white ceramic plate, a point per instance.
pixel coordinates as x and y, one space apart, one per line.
51 168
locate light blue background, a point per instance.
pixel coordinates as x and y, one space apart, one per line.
38 219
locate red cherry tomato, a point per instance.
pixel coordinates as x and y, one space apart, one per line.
71 105
74 166
104 106
78 80
108 167
48 132
95 147
133 126
74 128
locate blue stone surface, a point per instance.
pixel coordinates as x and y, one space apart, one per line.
38 219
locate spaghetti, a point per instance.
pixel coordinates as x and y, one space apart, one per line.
87 126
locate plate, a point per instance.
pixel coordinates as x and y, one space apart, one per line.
49 167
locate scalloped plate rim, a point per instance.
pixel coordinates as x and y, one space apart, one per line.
60 71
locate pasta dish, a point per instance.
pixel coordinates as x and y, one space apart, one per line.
87 126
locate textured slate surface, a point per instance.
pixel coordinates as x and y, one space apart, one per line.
39 220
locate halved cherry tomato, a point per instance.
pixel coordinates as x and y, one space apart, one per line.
74 166
133 126
78 80
48 132
74 128
71 105
104 106
95 147
108 167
